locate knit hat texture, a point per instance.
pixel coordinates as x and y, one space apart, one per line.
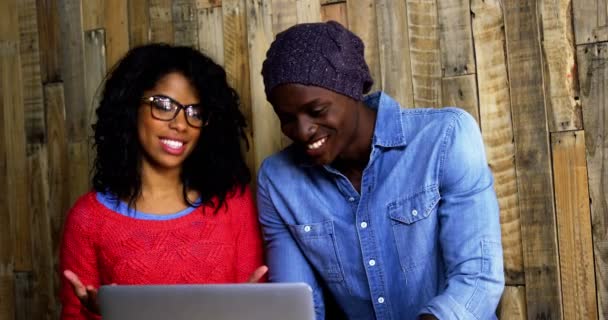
318 54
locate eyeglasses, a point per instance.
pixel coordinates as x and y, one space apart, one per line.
166 109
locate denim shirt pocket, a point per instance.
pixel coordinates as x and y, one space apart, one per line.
415 228
318 244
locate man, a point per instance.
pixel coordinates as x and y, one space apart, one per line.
391 211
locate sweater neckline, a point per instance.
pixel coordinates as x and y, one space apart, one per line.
110 202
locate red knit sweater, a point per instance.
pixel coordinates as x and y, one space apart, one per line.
103 247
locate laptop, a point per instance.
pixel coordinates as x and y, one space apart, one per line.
257 301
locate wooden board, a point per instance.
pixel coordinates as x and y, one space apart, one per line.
533 163
236 64
423 30
364 13
394 51
72 67
209 3
93 14
456 37
266 127
512 304
95 71
139 22
574 225
590 20
45 305
497 127
284 15
461 91
161 21
58 166
7 49
593 73
211 42
335 12
48 37
116 25
559 74
25 308
308 11
30 70
185 25
12 130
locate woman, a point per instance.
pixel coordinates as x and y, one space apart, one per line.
171 202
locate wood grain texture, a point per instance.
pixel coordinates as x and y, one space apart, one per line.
185 24
512 304
116 25
95 71
45 305
284 15
139 22
211 42
335 12
456 37
93 14
590 20
236 64
461 91
208 3
7 49
394 51
533 163
366 27
423 30
593 75
12 130
574 225
161 21
30 70
559 74
58 166
266 128
308 11
72 68
497 127
24 296
49 40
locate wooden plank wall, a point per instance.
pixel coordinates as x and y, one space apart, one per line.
533 73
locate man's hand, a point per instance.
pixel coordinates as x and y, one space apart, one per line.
258 274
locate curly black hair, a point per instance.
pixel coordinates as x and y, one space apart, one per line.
215 167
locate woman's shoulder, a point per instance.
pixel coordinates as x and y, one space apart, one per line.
86 208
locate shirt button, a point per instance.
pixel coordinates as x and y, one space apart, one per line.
307 229
414 212
380 299
372 262
351 199
363 225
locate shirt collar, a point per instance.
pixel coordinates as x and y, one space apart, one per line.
388 131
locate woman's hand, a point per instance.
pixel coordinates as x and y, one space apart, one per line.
86 294
258 274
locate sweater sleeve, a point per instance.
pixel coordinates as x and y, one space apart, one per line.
77 254
250 254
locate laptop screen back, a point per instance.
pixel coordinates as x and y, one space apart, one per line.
267 301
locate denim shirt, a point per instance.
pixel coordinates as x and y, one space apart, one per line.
422 236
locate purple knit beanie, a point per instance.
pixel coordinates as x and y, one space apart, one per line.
318 54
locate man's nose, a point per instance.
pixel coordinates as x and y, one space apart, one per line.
306 128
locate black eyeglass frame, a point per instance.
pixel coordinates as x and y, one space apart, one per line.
205 116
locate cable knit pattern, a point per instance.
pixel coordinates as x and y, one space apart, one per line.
103 247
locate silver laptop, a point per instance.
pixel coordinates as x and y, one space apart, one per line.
263 301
